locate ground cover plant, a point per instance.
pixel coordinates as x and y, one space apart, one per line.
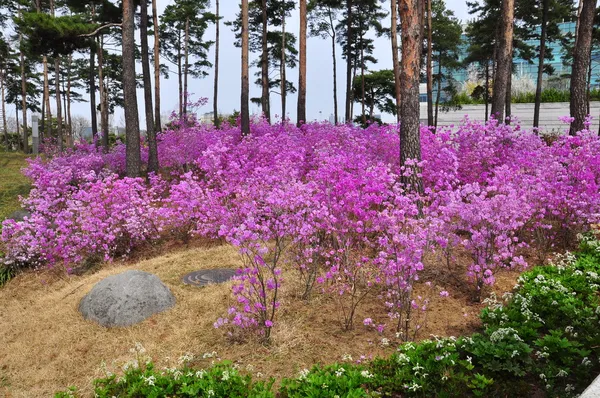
323 202
541 339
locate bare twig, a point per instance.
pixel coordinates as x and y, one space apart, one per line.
94 33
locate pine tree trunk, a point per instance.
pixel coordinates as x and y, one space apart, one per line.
362 79
430 120
244 106
487 90
103 95
581 62
283 68
302 74
264 64
157 121
394 33
150 130
588 86
4 123
17 117
540 72
92 89
186 69
132 123
410 138
25 136
59 120
508 111
180 75
439 92
69 84
46 111
334 56
216 84
348 61
503 60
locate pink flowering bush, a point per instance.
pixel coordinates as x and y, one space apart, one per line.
320 203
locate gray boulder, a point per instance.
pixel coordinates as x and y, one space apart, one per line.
126 299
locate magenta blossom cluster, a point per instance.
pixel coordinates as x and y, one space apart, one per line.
324 202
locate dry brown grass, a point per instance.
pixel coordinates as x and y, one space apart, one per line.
47 346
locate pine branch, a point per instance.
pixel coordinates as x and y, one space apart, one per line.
94 33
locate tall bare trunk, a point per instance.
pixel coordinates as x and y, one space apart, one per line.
283 68
216 85
92 89
334 56
103 94
302 74
25 136
362 79
508 111
245 96
180 76
348 60
132 123
581 62
46 111
410 138
504 60
264 64
4 123
150 130
487 89
59 120
69 118
439 92
157 121
430 120
540 71
394 33
186 69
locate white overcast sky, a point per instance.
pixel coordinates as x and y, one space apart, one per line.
319 73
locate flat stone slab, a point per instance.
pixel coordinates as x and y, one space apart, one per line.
126 299
205 277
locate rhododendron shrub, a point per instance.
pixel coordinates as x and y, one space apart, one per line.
322 202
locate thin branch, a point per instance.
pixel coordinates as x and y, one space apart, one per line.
94 33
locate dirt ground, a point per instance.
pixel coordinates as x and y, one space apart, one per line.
47 346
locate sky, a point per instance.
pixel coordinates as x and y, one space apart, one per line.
319 73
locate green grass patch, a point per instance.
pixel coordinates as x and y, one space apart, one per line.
12 182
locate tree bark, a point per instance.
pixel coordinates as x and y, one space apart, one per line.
504 60
487 90
180 75
362 78
430 120
4 123
59 120
333 55
103 95
150 130
132 123
283 68
581 62
46 111
348 61
25 136
157 121
302 74
394 33
264 64
439 92
68 107
217 122
508 99
410 138
244 106
186 69
92 88
540 72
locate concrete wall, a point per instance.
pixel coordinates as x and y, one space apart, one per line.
549 114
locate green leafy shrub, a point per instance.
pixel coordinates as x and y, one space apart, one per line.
331 381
